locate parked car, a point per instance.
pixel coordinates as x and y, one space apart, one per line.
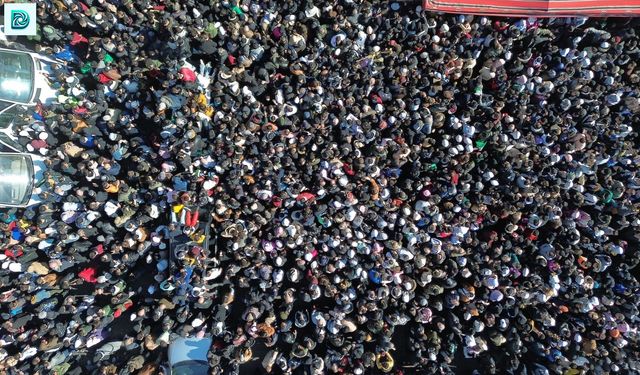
20 173
23 83
188 356
24 78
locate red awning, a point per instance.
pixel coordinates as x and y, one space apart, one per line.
537 8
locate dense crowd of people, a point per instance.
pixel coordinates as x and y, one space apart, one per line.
389 191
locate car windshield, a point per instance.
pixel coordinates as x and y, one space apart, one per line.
16 76
17 181
7 114
190 368
9 145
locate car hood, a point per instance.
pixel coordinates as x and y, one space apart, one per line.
189 349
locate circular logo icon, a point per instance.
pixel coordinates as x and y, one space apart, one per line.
19 19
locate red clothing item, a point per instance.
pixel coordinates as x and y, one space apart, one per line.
500 26
454 178
188 75
306 196
122 308
347 169
78 38
277 201
99 249
13 254
38 144
80 110
88 275
104 79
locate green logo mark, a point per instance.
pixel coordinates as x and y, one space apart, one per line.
19 19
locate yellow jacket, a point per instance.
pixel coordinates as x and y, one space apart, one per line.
384 362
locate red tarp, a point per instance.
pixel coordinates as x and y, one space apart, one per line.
537 8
